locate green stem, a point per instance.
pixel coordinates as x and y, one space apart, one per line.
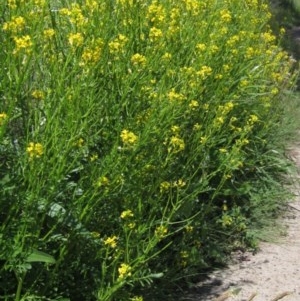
20 285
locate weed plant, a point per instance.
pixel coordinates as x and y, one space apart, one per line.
138 141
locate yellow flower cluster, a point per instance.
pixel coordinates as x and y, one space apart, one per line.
194 104
225 15
226 220
49 33
125 2
111 241
102 181
252 119
167 57
75 39
156 13
192 6
174 96
38 94
117 45
126 214
184 255
161 231
35 150
74 14
176 144
124 270
204 72
23 43
15 25
138 60
174 22
91 55
155 34
12 4
3 118
137 298
165 186
128 138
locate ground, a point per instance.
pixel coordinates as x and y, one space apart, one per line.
272 274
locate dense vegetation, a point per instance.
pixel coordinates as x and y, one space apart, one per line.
140 141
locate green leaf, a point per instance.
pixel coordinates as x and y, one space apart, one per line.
39 256
157 275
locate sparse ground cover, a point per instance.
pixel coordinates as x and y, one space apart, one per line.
141 142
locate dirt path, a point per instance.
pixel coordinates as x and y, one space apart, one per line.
270 275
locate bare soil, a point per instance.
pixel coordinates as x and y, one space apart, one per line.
272 274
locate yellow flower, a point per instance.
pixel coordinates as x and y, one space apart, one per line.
91 5
15 25
179 183
92 53
125 2
111 241
118 44
219 121
93 157
95 234
161 231
137 298
244 83
74 13
176 144
268 37
184 254
175 128
189 229
126 214
34 150
173 96
156 12
124 270
3 117
102 181
165 186
65 12
39 2
155 34
131 225
193 104
80 142
204 72
167 56
12 4
226 220
201 47
75 39
23 42
203 139
192 5
225 15
49 33
128 137
252 119
138 60
38 94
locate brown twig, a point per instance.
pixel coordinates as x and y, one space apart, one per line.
228 294
280 296
224 296
252 296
